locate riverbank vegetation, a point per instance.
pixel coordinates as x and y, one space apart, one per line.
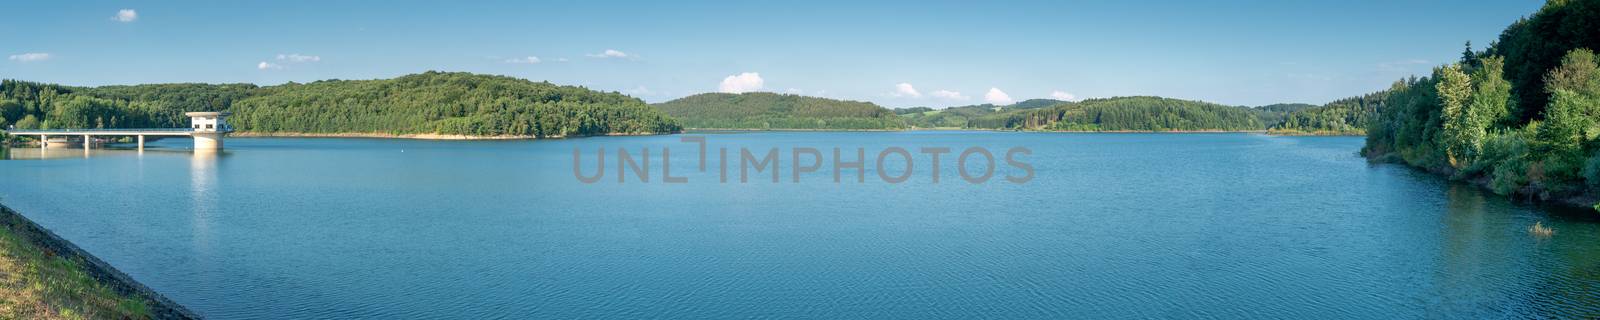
1126 114
36 284
1348 116
769 111
427 103
1521 116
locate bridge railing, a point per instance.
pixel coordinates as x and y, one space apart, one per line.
61 131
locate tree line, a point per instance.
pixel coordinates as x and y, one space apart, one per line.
1522 116
959 117
1142 113
766 110
431 102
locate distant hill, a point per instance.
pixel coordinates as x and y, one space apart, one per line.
1126 114
450 103
958 117
765 110
1035 104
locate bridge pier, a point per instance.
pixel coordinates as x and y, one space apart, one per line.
207 129
207 141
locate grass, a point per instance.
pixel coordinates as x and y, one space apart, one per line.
35 284
1539 230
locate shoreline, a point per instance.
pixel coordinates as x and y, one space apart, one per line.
101 272
1531 193
1316 133
1002 130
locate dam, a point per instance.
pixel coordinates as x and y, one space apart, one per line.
207 129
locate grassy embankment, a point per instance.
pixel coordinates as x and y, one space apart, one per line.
45 277
37 284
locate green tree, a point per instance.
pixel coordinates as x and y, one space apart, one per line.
1491 95
1461 132
28 122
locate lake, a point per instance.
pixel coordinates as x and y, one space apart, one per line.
1109 226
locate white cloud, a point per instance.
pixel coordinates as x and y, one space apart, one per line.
527 60
296 57
30 57
794 91
126 15
905 90
1063 96
264 66
741 83
997 97
561 60
609 53
947 94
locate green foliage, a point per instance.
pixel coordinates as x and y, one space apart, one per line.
445 103
1409 124
1126 114
1491 94
1534 45
912 111
1572 119
28 122
1032 104
1525 123
1461 133
765 110
962 116
427 103
1344 116
1505 159
1274 115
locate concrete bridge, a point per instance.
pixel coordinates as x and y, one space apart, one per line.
207 129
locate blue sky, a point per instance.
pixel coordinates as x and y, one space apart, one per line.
947 52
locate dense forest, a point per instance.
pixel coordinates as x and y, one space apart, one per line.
958 117
1348 116
1127 114
1521 116
427 103
765 110
1274 114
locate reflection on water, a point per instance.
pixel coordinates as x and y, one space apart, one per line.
1483 236
202 181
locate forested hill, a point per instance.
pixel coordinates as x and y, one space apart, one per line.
1127 114
447 103
765 110
1521 116
426 103
958 117
1348 116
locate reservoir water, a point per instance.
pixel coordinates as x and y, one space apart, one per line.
1110 226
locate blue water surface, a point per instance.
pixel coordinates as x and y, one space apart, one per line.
1109 226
